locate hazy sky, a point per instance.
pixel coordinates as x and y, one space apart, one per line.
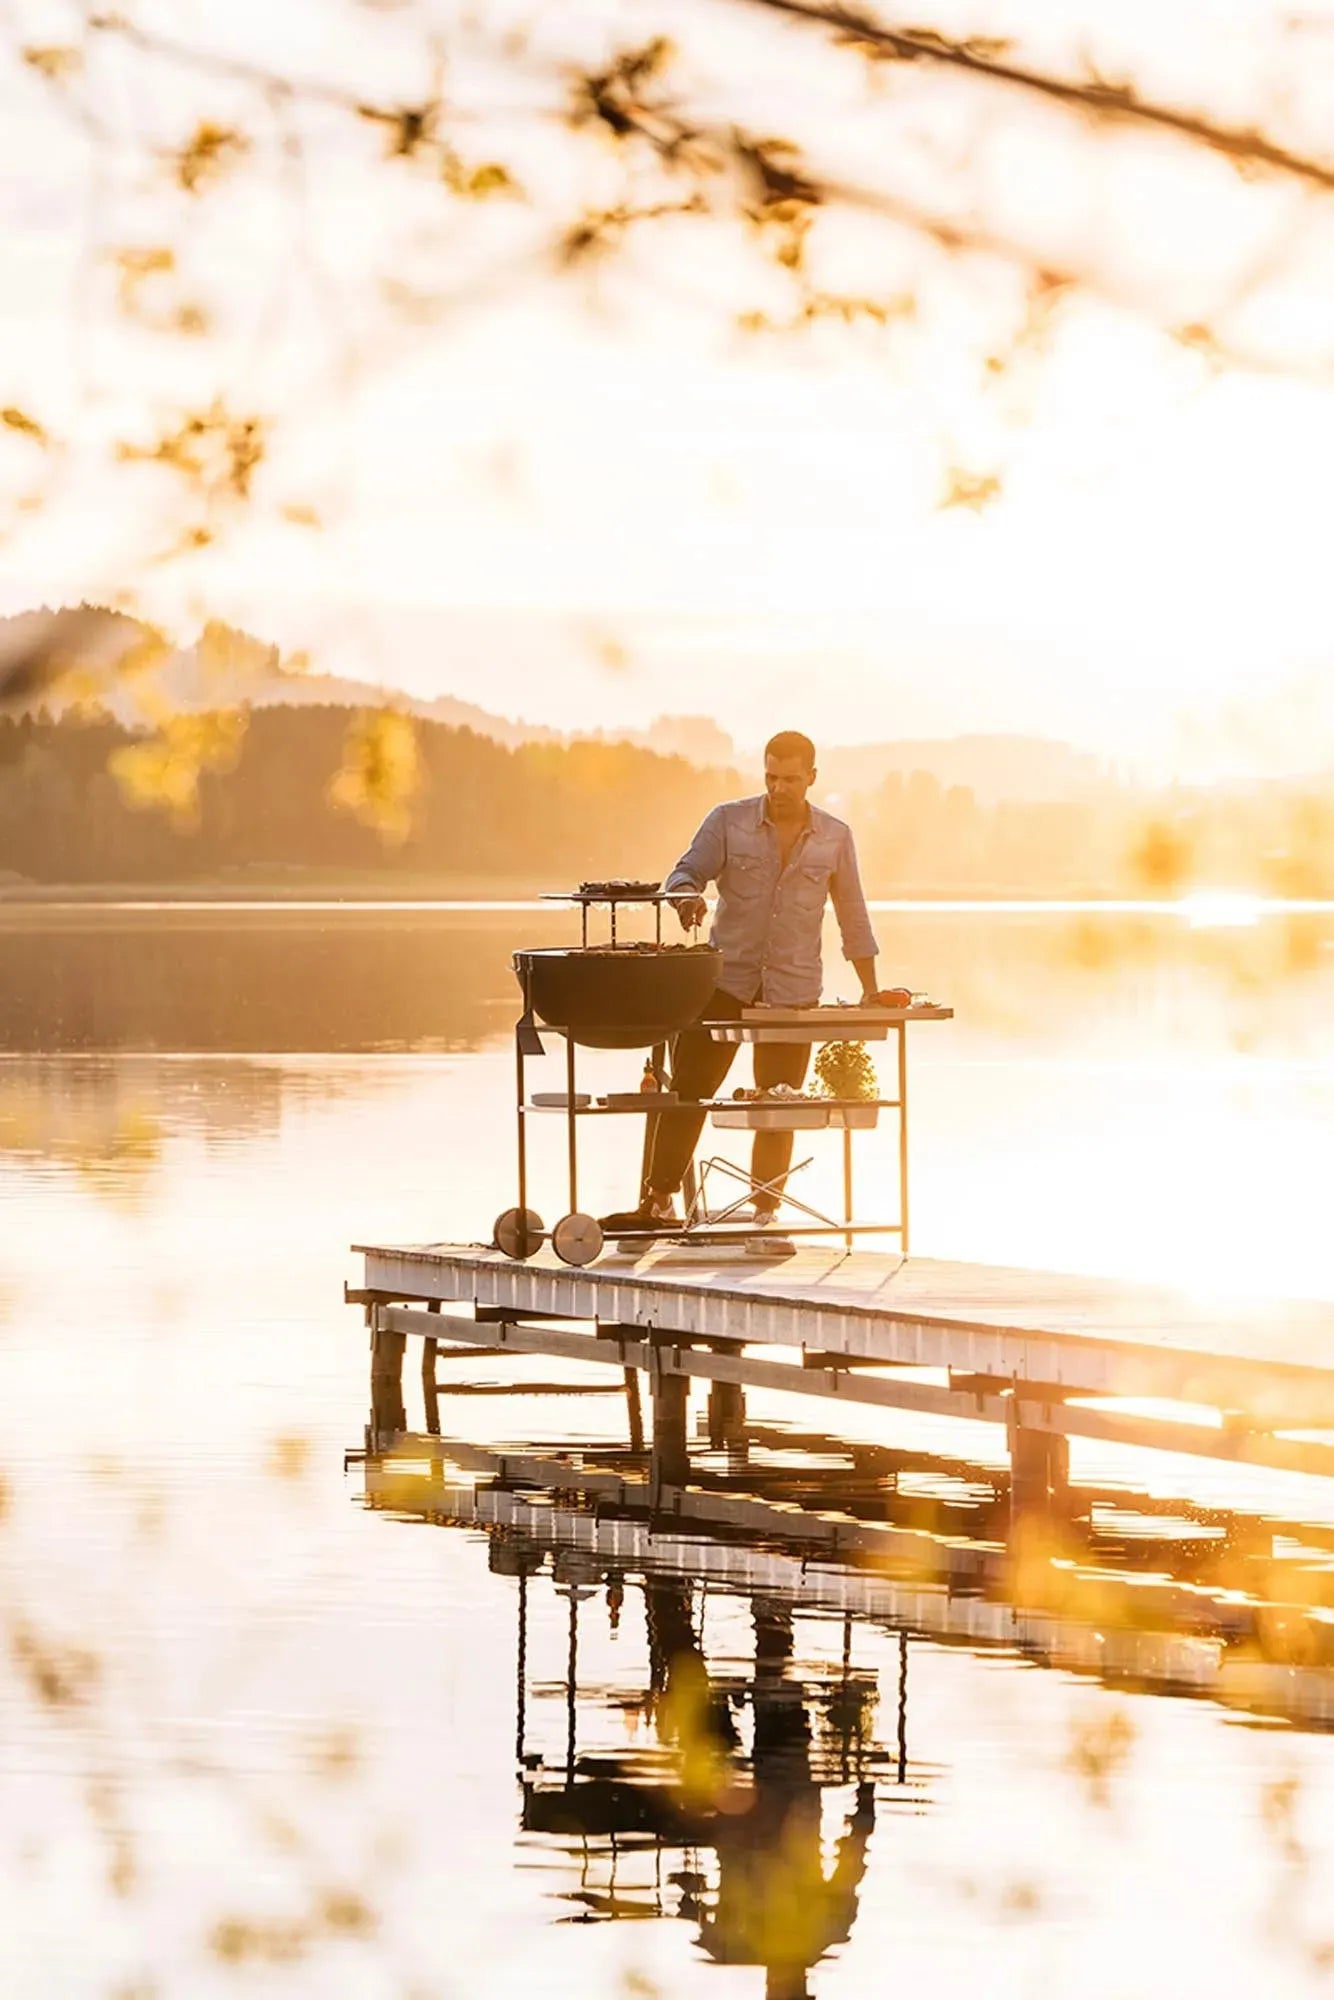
589 506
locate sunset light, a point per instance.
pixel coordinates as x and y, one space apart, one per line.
666 1000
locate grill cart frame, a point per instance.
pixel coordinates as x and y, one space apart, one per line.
578 1238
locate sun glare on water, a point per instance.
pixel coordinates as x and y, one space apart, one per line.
1221 909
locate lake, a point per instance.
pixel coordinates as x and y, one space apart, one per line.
278 1720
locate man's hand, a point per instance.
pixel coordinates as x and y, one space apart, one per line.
692 911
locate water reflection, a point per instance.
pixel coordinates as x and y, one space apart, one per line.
722 1824
281 978
762 1755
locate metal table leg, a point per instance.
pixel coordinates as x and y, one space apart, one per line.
571 1125
903 1135
522 1135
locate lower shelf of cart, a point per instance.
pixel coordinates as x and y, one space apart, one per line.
830 1112
655 1102
740 1232
774 1115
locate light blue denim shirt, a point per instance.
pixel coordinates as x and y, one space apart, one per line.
769 916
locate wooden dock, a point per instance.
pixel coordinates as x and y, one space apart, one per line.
1049 1357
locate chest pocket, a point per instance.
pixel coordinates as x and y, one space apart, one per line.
746 874
810 877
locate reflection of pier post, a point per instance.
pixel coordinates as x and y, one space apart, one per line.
513 1554
1039 1470
727 1414
903 1707
671 1403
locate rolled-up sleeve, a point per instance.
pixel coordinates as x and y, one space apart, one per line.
854 921
703 860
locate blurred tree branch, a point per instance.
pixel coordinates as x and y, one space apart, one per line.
1093 96
579 145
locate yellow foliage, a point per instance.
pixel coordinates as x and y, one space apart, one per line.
969 489
210 151
227 657
480 183
1099 1747
58 1675
210 448
289 1456
18 420
53 62
162 773
1162 858
381 773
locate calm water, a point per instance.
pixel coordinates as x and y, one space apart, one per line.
264 1723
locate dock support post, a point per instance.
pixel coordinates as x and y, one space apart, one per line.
671 1400
430 1385
903 1137
635 1408
387 1408
727 1414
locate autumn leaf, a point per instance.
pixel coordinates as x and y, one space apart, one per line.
18 420
162 773
53 62
1161 859
381 773
969 489
481 183
209 448
210 152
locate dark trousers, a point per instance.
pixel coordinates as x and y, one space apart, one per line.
699 1069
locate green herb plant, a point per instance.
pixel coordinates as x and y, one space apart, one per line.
844 1070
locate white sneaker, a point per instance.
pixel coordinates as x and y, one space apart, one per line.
772 1245
772 1242
656 1210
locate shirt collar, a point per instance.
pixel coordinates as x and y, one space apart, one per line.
762 812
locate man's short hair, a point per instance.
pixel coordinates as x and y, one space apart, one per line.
791 743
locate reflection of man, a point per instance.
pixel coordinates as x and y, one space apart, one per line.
776 860
775 1905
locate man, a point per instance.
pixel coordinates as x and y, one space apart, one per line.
776 860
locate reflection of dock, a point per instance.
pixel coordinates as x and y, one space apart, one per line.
744 1799
1045 1356
1197 1605
719 1816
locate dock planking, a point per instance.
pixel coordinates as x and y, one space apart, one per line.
1268 1362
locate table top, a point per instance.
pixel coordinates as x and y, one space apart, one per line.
841 1017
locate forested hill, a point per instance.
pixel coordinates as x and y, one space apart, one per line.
83 801
547 814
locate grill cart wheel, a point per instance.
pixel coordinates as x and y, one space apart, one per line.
518 1232
577 1239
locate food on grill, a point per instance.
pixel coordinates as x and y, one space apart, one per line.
618 891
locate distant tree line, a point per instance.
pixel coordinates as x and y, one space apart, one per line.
543 813
550 814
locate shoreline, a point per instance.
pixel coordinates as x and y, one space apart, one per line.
422 896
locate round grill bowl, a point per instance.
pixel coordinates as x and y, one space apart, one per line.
618 999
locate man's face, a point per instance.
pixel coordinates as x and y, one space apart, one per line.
787 781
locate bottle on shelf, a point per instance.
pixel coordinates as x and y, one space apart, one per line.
648 1081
